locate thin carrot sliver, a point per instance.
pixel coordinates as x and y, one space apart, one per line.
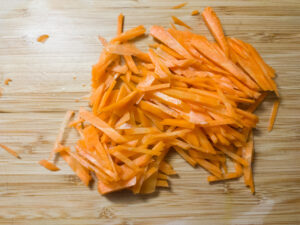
180 22
179 5
120 24
273 115
10 151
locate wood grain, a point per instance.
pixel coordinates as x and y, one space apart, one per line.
43 88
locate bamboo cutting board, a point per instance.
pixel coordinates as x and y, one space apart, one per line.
43 87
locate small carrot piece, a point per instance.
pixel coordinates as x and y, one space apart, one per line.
162 183
48 165
120 24
101 125
61 133
194 13
7 81
273 115
185 156
10 151
180 22
43 38
179 5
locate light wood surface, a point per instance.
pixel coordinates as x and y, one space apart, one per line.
43 88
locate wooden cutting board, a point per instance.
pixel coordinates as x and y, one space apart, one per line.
49 78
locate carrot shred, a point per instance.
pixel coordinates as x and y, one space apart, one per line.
162 183
61 133
186 94
180 22
215 27
179 5
120 24
43 38
10 151
48 165
273 115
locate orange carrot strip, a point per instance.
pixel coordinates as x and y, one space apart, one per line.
215 27
233 155
162 183
131 64
155 87
120 24
178 123
130 34
101 125
180 22
48 165
120 104
105 188
162 176
258 101
10 151
227 176
166 168
179 5
164 36
273 115
61 133
185 156
81 172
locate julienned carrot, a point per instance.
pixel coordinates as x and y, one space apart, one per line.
215 27
48 165
179 5
273 114
120 24
185 93
180 22
10 151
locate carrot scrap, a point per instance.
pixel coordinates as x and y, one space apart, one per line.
43 38
273 115
7 81
185 94
180 22
48 165
179 5
195 12
10 151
